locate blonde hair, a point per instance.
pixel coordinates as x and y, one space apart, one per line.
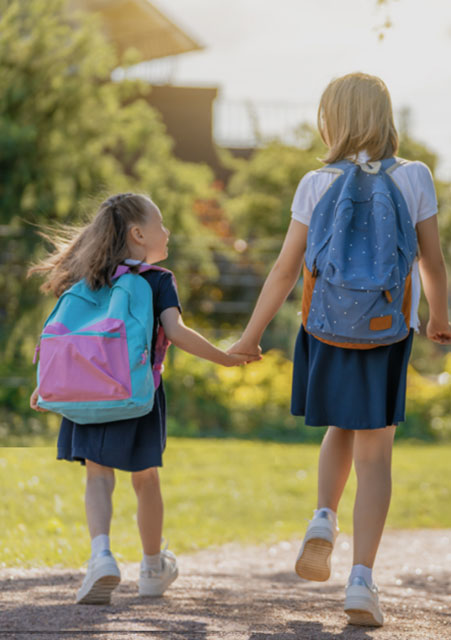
355 113
95 250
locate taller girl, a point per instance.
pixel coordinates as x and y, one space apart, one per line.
360 391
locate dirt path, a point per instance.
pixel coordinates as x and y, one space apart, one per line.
245 593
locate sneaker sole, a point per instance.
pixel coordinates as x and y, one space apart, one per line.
155 593
359 614
314 562
100 591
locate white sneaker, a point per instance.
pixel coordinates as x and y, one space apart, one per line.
313 561
101 578
155 583
362 604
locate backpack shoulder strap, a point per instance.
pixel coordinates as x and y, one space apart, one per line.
336 167
162 342
125 268
396 162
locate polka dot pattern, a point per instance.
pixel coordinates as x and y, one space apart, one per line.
362 244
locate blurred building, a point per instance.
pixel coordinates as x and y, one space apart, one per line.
196 119
186 111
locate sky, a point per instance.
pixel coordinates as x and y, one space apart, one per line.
287 51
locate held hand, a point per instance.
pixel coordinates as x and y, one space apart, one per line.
439 332
245 347
235 359
34 401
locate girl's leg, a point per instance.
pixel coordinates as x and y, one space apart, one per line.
335 461
100 483
150 509
372 460
103 574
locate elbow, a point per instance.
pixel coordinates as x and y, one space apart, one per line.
432 264
171 334
286 274
174 333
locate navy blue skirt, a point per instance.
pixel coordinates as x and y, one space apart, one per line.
131 445
349 388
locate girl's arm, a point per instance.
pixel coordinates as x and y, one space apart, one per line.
279 283
433 276
192 342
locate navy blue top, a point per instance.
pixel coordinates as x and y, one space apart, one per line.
136 443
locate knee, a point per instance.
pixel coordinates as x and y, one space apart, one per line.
98 473
369 460
145 478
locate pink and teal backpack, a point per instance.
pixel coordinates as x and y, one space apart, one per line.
94 351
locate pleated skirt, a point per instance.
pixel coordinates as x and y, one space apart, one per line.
131 445
349 388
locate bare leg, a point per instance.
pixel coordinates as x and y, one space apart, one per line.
150 509
100 483
335 462
372 460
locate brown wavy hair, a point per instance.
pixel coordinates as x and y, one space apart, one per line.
92 251
355 113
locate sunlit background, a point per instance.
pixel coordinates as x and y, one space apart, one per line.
209 106
280 56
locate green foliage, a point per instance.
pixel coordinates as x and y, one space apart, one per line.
264 491
254 401
251 401
69 135
262 189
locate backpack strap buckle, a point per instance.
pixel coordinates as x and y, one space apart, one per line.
371 167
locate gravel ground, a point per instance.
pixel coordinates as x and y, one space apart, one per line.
245 593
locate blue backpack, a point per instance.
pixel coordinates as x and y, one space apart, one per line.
94 363
361 246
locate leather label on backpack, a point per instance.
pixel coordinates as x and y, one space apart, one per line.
381 324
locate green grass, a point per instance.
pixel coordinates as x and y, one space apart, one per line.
215 491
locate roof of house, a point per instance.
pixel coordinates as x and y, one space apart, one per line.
139 24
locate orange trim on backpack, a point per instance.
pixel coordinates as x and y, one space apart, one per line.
307 293
407 301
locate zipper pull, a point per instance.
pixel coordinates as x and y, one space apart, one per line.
36 351
144 356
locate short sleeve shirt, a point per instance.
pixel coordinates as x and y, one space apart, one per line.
165 295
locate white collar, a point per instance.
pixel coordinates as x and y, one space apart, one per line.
361 158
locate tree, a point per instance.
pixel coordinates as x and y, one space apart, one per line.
68 136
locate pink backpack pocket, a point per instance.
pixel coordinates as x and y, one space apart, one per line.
91 364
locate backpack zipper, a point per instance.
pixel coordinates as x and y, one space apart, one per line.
36 351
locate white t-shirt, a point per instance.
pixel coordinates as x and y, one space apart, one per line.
415 182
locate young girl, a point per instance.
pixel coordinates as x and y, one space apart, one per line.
127 229
361 392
